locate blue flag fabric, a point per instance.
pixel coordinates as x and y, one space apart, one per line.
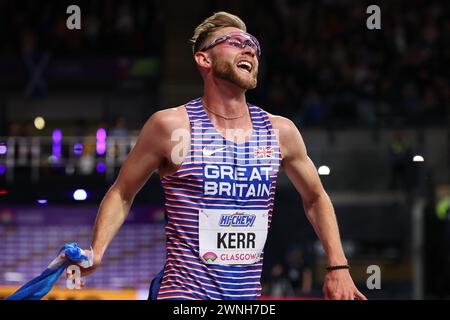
42 284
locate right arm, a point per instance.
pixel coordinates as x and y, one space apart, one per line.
147 156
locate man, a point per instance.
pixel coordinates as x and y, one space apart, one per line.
219 181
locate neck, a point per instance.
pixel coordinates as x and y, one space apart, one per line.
224 98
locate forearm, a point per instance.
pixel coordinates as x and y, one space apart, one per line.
112 213
321 215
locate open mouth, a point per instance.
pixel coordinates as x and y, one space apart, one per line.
245 65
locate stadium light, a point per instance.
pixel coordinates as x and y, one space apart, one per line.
3 149
56 147
77 148
101 167
80 195
101 141
418 158
42 201
57 136
39 123
324 170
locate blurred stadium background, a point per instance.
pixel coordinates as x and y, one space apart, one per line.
373 107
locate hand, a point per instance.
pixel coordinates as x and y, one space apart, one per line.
84 271
338 285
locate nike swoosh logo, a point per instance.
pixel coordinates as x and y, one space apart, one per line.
209 152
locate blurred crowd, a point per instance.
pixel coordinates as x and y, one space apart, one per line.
108 27
321 65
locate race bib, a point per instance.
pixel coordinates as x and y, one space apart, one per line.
230 237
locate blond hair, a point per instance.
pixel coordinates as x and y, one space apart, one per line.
213 23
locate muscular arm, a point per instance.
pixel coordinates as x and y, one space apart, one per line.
318 207
303 174
151 151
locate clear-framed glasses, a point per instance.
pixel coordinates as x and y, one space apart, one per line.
236 39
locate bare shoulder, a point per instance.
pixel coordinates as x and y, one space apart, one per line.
156 134
290 139
168 120
284 125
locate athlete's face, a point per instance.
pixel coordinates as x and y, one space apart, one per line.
233 63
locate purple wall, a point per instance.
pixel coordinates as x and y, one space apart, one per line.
44 215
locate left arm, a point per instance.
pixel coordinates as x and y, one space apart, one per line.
338 284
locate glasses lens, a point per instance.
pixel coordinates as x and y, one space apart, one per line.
236 42
243 40
239 40
256 44
250 44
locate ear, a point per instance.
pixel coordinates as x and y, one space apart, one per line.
202 59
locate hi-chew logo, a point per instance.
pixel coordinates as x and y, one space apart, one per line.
237 219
